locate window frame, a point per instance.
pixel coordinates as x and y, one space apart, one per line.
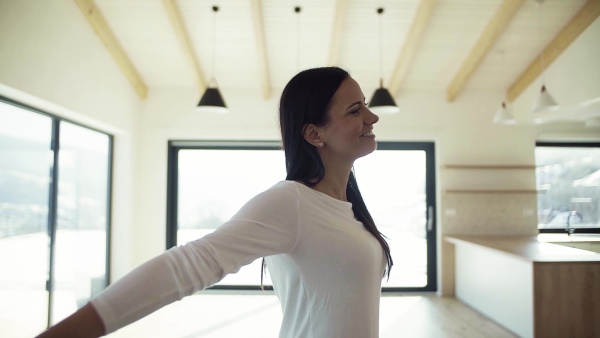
172 200
53 193
565 144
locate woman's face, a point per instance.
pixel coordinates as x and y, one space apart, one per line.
348 133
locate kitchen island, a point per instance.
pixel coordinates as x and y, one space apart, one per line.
532 287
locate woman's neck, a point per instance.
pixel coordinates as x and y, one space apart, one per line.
335 181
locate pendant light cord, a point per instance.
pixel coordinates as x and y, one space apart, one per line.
540 33
380 12
214 75
297 9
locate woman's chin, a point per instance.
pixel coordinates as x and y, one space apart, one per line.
368 150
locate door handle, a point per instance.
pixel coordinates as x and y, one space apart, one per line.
429 218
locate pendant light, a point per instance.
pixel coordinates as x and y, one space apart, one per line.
212 101
504 115
544 101
382 101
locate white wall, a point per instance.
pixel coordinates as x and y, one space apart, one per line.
51 59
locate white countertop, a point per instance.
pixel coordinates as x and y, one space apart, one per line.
530 248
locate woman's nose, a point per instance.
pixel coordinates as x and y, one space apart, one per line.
372 118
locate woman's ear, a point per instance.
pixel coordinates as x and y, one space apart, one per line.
311 135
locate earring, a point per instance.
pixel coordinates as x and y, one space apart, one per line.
320 145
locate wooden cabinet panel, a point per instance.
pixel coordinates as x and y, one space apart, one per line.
566 299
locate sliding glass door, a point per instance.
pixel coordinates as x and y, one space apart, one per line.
398 185
25 177
80 255
54 218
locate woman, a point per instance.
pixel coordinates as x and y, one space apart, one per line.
325 255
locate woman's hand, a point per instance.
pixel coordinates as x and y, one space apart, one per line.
83 323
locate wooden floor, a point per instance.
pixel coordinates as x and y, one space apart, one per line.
259 316
432 316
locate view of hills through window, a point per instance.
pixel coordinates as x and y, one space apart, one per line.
568 179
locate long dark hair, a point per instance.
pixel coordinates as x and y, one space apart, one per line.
306 99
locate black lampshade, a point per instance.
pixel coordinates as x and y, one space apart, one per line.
212 102
383 102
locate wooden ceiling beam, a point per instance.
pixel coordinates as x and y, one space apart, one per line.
261 48
577 25
185 43
490 35
333 58
99 24
413 38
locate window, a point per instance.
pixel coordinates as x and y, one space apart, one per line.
213 180
210 180
54 217
568 178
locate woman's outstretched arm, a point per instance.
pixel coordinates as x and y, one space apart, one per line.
83 323
266 225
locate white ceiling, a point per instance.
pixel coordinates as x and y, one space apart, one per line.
297 41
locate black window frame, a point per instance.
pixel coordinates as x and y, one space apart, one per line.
53 192
571 144
172 193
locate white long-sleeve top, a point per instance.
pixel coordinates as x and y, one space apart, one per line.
325 267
